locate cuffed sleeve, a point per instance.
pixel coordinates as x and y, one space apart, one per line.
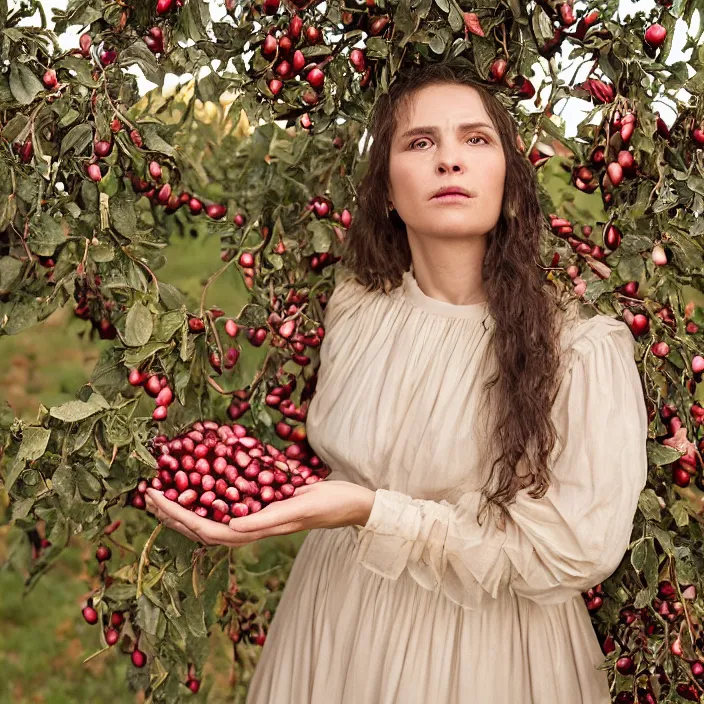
553 547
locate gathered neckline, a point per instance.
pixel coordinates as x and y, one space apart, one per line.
414 294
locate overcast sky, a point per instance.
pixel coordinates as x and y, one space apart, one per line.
571 110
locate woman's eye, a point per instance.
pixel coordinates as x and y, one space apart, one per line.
423 139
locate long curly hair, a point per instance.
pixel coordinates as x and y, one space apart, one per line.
518 398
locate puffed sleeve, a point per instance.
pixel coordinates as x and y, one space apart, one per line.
554 547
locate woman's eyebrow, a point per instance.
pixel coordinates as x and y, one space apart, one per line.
434 130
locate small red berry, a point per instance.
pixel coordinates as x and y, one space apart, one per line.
139 659
90 615
103 553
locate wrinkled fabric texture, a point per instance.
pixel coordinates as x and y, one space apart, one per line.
423 603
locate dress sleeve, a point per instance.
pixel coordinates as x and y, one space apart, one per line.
554 547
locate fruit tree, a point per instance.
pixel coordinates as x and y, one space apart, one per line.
262 149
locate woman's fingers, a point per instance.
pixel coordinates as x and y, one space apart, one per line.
203 530
170 521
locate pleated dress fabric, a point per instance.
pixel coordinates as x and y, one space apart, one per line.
423 604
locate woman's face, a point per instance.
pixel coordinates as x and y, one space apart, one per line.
439 152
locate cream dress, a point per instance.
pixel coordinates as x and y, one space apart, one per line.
423 604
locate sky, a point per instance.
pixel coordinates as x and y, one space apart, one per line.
571 110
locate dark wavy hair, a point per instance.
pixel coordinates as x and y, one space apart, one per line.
524 306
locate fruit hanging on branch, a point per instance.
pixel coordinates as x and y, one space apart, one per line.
114 171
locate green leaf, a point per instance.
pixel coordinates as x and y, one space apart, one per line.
321 235
78 138
647 560
14 472
638 555
109 375
631 267
119 591
193 611
193 18
455 18
649 505
45 235
153 141
8 208
139 53
34 442
170 296
73 411
81 67
21 509
64 484
69 118
12 130
634 242
81 436
167 325
123 215
23 83
144 454
377 48
102 253
149 616
88 485
133 358
10 271
660 455
138 326
484 54
678 511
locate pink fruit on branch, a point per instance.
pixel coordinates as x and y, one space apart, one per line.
49 78
315 77
615 172
567 17
102 148
358 60
498 70
164 6
472 24
155 170
90 615
600 91
269 46
93 171
655 35
270 7
216 211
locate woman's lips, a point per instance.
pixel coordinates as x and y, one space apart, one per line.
451 197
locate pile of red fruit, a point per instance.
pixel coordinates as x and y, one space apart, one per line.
220 472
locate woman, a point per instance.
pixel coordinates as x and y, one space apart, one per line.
404 592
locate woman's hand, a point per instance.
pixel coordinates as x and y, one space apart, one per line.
325 504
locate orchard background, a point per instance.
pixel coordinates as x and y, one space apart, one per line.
192 234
